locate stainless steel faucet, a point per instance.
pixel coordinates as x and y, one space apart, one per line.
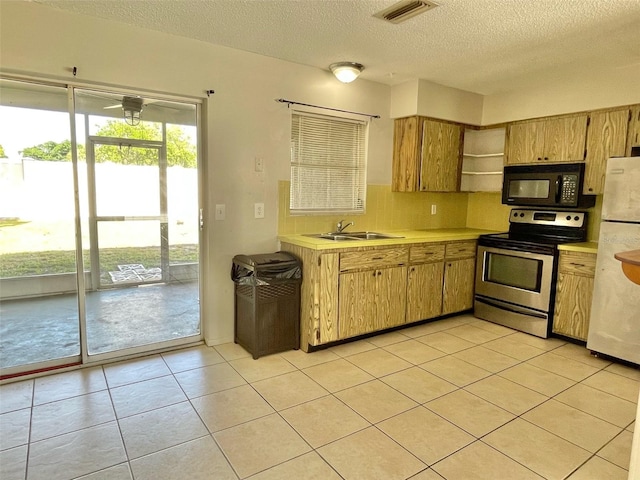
340 227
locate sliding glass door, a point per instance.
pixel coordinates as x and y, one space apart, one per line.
99 226
39 315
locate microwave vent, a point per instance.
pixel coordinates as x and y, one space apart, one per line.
405 10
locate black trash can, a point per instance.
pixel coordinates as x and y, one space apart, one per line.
267 302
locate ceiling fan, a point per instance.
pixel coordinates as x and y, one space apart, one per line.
132 108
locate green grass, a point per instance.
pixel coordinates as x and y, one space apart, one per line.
26 264
11 222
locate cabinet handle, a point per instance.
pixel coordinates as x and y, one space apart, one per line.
577 264
379 272
377 258
374 273
546 158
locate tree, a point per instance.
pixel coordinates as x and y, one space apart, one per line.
180 151
54 151
2 154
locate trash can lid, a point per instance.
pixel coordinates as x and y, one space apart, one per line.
265 259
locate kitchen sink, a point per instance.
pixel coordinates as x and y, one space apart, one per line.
371 235
346 236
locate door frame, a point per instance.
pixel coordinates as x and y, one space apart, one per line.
94 218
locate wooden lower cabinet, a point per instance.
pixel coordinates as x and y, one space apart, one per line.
371 300
424 291
574 292
349 292
459 279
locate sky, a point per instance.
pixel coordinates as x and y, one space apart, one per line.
26 127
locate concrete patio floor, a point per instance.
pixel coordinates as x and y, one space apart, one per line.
40 329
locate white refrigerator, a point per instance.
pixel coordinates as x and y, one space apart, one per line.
614 326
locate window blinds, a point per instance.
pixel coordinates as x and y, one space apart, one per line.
328 164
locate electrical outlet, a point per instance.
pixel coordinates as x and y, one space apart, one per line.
220 211
259 164
258 210
433 209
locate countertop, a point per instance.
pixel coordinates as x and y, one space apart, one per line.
409 236
585 247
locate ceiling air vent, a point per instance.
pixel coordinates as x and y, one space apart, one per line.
404 10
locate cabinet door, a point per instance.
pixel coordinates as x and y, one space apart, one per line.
391 293
424 291
407 133
359 303
573 306
606 137
565 139
441 156
633 137
524 142
459 278
325 305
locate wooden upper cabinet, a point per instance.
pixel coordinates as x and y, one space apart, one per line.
427 155
407 138
565 139
560 139
523 142
633 136
606 137
441 156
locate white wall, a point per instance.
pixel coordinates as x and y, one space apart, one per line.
421 97
620 87
243 120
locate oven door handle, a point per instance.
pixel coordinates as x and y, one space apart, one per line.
511 308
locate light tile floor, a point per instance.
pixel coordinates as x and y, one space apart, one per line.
458 399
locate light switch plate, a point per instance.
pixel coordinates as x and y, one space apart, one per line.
220 211
258 209
259 164
433 209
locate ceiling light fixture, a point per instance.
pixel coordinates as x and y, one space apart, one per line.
132 107
346 72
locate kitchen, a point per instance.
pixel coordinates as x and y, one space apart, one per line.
244 122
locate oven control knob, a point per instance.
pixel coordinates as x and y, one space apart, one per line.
522 214
515 214
576 218
568 217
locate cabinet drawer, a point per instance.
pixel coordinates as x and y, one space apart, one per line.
577 263
429 252
460 250
384 257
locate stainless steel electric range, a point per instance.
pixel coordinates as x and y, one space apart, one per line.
516 271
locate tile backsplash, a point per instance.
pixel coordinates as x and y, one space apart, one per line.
387 211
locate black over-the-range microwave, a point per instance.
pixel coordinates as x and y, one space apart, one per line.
557 185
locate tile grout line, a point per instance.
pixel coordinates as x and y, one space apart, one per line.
380 378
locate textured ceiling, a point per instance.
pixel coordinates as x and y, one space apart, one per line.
482 46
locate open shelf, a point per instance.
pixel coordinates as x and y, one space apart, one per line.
482 162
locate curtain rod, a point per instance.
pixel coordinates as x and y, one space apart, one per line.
291 102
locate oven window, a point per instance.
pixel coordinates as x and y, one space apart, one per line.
518 272
529 188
